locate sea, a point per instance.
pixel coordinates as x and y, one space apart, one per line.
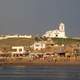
40 72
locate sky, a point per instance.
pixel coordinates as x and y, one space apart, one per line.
38 16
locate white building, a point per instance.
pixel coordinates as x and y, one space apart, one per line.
58 33
18 49
15 36
39 45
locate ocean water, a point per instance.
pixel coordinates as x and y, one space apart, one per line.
40 73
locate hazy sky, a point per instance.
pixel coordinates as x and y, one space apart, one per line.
38 16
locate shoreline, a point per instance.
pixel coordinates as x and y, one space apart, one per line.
49 64
62 61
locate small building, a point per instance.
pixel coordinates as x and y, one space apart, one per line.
18 50
39 45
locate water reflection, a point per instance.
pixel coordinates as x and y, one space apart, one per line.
55 72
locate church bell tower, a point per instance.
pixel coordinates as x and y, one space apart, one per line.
62 27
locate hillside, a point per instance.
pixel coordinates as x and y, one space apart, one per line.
7 43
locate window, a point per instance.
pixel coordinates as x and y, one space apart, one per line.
20 50
14 50
56 35
37 45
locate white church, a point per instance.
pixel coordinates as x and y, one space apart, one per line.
58 33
